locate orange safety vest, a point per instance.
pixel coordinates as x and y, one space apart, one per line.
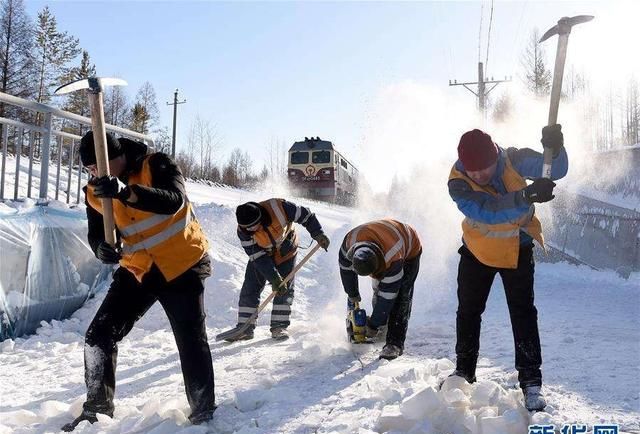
173 242
396 240
498 245
271 237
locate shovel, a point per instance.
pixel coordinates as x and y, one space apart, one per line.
239 330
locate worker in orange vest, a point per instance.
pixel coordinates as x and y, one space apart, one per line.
267 234
162 253
388 251
488 184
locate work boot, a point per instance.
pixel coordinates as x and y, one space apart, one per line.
279 334
390 352
201 418
459 373
533 398
85 415
244 336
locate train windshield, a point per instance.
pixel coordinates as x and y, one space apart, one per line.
300 157
321 157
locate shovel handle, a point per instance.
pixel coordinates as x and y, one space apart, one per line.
284 282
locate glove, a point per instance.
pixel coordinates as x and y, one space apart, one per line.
110 187
552 138
370 331
277 285
540 191
323 240
107 254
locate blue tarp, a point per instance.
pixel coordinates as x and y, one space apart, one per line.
47 269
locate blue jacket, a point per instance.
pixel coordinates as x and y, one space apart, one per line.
506 207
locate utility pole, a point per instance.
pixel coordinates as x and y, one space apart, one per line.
482 88
175 116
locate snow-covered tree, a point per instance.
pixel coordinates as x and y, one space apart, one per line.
54 50
537 76
116 106
16 50
78 102
144 113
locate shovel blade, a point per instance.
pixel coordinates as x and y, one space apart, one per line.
232 333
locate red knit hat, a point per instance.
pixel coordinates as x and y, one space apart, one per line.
476 150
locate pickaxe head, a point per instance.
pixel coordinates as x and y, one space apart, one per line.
564 25
93 84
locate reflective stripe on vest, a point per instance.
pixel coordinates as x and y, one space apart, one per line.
174 243
272 237
145 224
158 238
397 246
491 231
391 238
498 245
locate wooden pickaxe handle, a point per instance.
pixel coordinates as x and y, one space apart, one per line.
556 92
562 29
94 87
102 161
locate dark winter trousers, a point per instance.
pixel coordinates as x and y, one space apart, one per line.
125 303
252 287
474 283
401 310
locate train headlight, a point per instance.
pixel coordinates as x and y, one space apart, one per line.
326 172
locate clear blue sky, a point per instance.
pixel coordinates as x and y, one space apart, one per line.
294 69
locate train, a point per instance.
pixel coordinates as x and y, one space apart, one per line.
317 170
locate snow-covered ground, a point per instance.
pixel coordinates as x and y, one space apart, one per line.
315 382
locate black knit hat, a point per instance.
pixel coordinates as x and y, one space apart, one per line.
365 260
88 151
248 214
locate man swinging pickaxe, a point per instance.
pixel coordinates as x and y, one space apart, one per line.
562 29
95 85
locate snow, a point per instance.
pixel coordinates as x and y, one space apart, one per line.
315 382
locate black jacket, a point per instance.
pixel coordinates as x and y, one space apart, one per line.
166 195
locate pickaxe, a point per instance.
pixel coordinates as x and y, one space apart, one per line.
95 85
562 29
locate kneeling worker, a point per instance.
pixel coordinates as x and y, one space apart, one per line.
389 252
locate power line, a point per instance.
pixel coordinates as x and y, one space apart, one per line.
480 31
486 63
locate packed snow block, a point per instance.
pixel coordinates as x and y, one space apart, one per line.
493 425
455 382
249 400
392 419
485 393
455 397
47 269
424 427
19 418
421 404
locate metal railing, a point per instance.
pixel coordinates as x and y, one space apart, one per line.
40 139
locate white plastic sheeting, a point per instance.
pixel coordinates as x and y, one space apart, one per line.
47 269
